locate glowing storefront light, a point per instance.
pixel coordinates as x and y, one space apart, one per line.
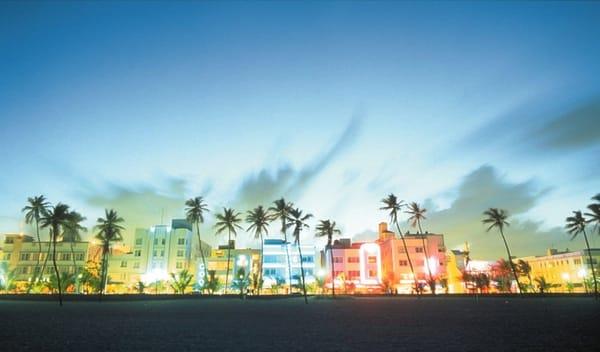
433 265
582 273
154 276
370 259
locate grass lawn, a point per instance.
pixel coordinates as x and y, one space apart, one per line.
347 324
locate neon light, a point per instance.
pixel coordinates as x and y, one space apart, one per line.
369 250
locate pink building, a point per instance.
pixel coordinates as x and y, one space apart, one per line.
427 253
357 266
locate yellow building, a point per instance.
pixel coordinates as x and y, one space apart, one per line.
564 271
21 252
246 259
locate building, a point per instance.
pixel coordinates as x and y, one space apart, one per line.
245 259
357 267
276 270
458 264
427 253
21 253
155 253
565 271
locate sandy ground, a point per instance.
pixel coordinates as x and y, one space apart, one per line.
348 324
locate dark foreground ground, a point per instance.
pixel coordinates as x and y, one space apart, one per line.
346 324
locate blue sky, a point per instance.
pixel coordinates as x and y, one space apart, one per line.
458 106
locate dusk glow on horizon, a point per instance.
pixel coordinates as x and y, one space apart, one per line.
457 106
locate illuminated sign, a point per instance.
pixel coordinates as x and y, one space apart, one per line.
370 264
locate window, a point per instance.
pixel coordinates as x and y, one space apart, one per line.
577 261
180 253
123 263
403 262
154 253
163 242
136 265
401 249
137 253
7 256
79 256
353 274
179 265
372 259
372 273
352 259
338 259
162 253
307 259
419 249
420 262
139 241
181 241
65 256
25 256
156 241
337 273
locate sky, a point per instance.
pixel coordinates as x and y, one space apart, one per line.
457 106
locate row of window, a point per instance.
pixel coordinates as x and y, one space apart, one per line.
180 241
42 256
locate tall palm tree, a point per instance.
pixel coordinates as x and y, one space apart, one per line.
72 233
298 222
281 210
259 219
417 214
575 226
109 230
36 208
55 218
194 213
327 228
393 205
496 218
228 221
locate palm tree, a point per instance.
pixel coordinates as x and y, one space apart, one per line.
181 281
575 226
525 269
109 231
281 210
393 205
229 220
542 284
259 223
497 218
36 208
72 232
194 212
298 222
593 217
327 228
417 214
55 218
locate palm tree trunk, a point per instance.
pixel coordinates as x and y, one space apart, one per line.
302 272
55 232
228 258
260 274
412 270
287 254
512 265
37 264
431 282
332 270
587 244
73 257
47 256
201 251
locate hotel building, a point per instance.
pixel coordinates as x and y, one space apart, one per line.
566 270
357 267
427 253
275 263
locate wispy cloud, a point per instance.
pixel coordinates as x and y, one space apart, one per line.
265 185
